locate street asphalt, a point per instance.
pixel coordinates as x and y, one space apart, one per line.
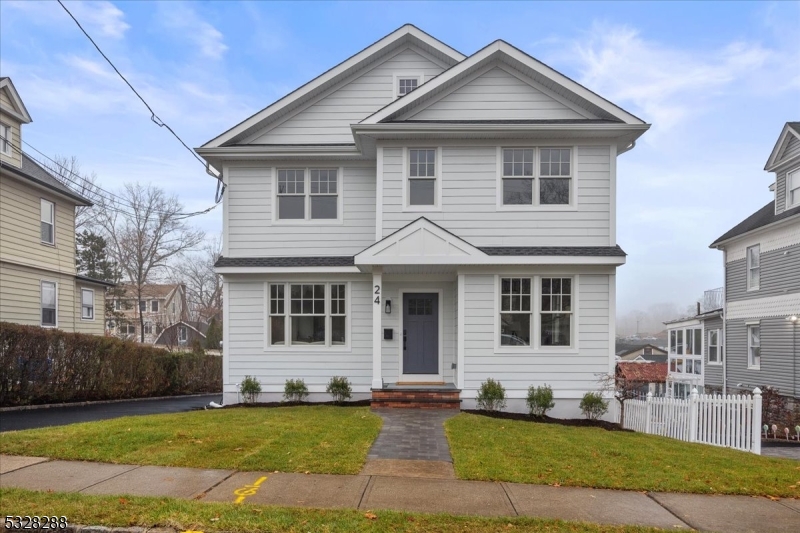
59 416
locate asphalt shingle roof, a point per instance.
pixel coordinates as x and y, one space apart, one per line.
332 261
32 171
763 217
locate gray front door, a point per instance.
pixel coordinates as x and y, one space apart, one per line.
420 333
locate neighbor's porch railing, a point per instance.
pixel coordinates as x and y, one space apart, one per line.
732 421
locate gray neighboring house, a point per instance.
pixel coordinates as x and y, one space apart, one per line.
762 284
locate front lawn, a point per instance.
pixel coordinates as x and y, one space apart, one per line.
318 439
198 516
494 449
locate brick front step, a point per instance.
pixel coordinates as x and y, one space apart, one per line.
416 398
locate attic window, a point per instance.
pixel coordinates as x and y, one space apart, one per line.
793 188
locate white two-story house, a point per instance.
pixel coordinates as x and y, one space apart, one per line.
417 219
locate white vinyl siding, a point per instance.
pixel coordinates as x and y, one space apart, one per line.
252 231
469 207
328 119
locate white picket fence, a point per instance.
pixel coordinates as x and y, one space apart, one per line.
732 421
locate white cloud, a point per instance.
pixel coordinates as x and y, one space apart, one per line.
99 18
182 18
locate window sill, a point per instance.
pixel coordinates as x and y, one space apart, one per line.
714 364
529 208
421 208
565 350
50 244
753 367
308 348
87 319
309 222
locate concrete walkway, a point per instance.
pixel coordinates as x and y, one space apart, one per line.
728 514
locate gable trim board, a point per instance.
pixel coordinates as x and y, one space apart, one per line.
406 33
21 112
790 130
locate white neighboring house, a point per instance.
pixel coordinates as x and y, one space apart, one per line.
415 218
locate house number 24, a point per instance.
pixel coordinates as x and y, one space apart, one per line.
377 294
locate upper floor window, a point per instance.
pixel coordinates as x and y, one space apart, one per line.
312 195
406 84
522 185
49 303
142 306
754 346
422 177
154 306
714 347
793 189
753 267
87 304
148 328
48 221
5 139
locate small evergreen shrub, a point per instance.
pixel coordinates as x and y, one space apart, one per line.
540 400
250 388
339 388
593 406
295 390
491 396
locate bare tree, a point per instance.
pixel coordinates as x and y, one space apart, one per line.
203 284
67 170
145 230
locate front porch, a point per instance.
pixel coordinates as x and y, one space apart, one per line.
417 396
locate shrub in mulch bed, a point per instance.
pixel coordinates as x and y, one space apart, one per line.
576 422
358 403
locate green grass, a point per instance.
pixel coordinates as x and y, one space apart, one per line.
493 449
318 439
210 517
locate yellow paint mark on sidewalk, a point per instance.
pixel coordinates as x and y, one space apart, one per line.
248 490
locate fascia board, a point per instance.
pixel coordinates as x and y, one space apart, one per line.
763 229
778 149
23 114
489 260
287 270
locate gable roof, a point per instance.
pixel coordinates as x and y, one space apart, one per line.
151 290
406 34
636 348
21 112
790 130
34 172
761 218
569 91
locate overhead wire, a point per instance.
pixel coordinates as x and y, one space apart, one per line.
153 117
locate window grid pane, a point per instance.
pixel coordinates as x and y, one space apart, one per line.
556 312
307 299
291 181
518 162
276 300
555 162
406 85
323 181
422 163
338 300
515 295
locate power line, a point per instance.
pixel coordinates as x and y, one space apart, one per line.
153 117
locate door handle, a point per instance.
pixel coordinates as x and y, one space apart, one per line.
404 339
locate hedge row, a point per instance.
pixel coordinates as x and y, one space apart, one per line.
51 366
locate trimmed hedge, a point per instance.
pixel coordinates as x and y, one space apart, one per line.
40 365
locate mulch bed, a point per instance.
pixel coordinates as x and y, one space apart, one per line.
575 422
359 403
779 443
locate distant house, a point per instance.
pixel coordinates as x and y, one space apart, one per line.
695 353
645 378
39 284
182 334
161 306
641 353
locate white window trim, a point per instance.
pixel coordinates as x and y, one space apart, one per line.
407 208
288 348
55 283
536 321
422 377
307 186
536 206
718 362
53 243
748 267
748 325
185 330
5 140
405 75
85 319
158 306
787 178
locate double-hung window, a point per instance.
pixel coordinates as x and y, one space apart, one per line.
154 306
49 303
518 176
148 328
142 306
556 311
87 304
307 314
183 335
515 312
714 347
753 267
421 177
48 221
308 194
524 182
793 189
5 139
555 175
754 347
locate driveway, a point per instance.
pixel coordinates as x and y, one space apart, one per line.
59 416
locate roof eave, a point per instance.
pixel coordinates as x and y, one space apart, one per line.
24 116
75 198
718 244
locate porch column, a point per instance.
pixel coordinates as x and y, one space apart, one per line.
377 331
460 331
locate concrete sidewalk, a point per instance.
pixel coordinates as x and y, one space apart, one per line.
728 514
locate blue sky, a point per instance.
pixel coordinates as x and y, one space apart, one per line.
717 81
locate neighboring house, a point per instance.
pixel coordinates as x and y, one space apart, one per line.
641 379
695 353
182 334
762 283
414 217
39 284
642 353
161 306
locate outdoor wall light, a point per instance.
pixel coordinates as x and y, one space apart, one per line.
793 318
388 307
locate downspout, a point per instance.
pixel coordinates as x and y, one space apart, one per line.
724 321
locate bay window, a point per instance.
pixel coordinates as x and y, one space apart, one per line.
307 314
